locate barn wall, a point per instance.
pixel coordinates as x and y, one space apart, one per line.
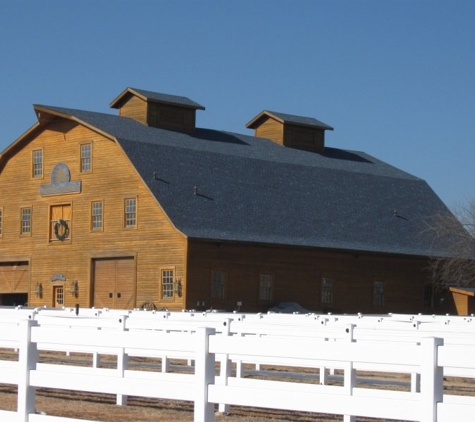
298 274
153 244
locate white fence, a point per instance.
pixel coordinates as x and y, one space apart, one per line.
423 348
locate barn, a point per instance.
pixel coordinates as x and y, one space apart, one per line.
144 208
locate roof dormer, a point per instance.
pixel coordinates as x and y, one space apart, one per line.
158 110
292 131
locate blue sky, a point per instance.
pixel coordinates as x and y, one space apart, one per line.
395 78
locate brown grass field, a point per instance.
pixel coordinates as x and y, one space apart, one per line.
102 407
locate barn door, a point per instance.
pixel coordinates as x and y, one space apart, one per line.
114 283
14 277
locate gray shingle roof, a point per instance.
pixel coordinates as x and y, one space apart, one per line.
230 187
162 98
290 118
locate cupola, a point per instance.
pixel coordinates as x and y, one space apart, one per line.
158 110
291 131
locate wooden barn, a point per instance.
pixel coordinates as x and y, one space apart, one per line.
144 208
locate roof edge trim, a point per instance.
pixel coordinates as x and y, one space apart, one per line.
254 122
44 109
116 103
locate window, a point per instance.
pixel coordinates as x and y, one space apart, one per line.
130 212
266 285
60 222
378 293
25 221
428 295
218 280
96 215
86 158
167 284
327 290
37 163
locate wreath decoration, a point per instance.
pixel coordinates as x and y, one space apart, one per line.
61 229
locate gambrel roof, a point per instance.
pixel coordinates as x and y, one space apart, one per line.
223 186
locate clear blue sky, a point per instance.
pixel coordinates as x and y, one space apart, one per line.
395 78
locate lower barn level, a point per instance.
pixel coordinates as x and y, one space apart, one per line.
228 277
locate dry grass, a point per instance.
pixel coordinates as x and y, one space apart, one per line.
102 407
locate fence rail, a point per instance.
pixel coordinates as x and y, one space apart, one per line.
423 347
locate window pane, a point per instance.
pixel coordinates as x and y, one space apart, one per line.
378 293
130 212
26 220
428 294
60 222
167 283
38 163
59 295
85 157
327 290
265 286
217 284
96 215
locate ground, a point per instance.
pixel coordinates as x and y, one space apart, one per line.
102 407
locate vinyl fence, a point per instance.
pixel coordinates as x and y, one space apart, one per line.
216 346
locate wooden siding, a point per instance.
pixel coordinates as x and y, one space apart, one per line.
154 114
135 108
271 129
14 277
153 242
297 278
461 303
293 136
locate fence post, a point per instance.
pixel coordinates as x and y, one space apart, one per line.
204 374
122 362
225 366
350 372
27 359
432 379
349 382
416 377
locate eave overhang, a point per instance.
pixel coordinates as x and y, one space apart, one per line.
154 97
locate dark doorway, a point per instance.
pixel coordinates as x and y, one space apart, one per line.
14 299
